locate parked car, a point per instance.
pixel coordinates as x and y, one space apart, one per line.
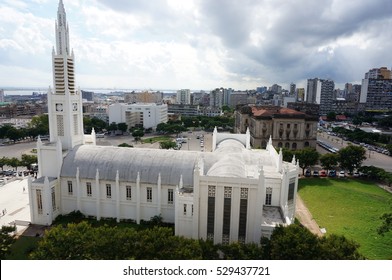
332 173
342 174
315 173
308 173
323 173
356 174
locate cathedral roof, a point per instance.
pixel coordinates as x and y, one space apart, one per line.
149 163
230 159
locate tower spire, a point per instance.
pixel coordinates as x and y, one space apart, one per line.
65 113
62 38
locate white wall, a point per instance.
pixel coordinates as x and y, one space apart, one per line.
128 208
116 113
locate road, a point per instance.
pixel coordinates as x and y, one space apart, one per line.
373 158
17 150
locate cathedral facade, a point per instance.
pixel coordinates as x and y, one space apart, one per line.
232 193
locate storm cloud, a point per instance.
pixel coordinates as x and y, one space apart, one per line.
203 44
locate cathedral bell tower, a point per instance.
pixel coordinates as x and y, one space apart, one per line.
64 101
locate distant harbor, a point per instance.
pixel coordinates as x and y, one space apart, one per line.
31 91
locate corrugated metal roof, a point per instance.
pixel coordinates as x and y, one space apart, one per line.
128 161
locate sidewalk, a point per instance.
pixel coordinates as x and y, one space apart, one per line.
15 202
305 217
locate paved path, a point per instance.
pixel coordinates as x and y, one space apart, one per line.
14 198
305 217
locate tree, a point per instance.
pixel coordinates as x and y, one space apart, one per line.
167 144
389 148
14 162
238 251
331 116
3 161
137 134
4 130
293 242
39 125
82 241
123 127
125 145
97 124
287 154
386 225
329 161
28 160
351 157
6 240
113 126
338 247
14 134
307 157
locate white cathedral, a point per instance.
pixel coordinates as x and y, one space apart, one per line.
232 193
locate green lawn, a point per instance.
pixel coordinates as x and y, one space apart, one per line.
351 208
156 139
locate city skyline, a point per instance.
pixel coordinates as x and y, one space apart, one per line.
197 44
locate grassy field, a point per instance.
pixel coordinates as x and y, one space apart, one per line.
351 208
156 139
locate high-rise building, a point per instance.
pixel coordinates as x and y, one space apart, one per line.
376 90
183 96
300 92
276 88
292 88
88 95
313 91
379 73
216 98
320 91
326 96
1 95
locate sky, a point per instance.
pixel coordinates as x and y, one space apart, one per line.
197 44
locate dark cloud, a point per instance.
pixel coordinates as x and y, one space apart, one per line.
303 39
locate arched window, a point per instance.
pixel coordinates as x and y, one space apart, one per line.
294 146
263 144
287 145
280 145
306 144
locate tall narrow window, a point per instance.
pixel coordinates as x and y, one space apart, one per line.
129 192
211 212
243 215
108 191
70 188
268 196
192 209
88 188
170 196
53 199
290 196
226 215
149 194
39 201
185 209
